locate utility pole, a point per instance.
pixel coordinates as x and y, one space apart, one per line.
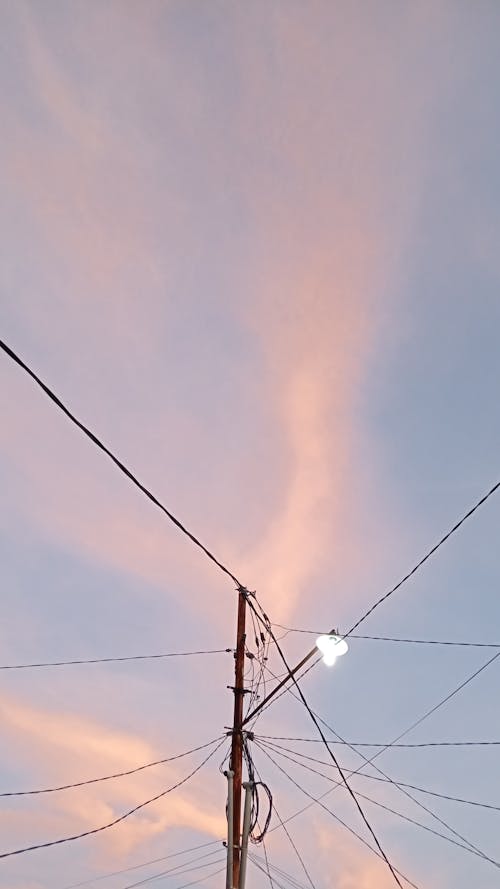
236 761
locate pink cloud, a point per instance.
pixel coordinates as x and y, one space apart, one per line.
63 745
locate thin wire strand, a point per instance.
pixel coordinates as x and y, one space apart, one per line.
386 744
395 639
147 765
290 840
185 885
405 792
268 872
334 759
126 870
454 799
292 881
317 801
177 871
115 821
110 660
425 558
121 466
472 850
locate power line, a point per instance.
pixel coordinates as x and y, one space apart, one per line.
425 558
191 882
110 660
330 752
290 840
265 869
147 765
405 792
126 870
296 884
121 466
178 870
445 699
395 639
386 744
317 801
471 849
266 859
115 821
456 799
291 674
310 654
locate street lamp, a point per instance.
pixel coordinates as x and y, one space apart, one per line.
331 647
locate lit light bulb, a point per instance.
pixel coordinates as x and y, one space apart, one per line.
331 647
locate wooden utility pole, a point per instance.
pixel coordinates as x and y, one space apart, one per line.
237 738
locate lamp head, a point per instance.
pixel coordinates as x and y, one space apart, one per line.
331 647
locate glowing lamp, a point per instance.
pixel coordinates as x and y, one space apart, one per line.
331 647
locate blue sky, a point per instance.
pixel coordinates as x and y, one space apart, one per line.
253 247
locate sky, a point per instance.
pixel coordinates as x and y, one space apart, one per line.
254 248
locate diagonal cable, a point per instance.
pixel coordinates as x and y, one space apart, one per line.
115 821
121 466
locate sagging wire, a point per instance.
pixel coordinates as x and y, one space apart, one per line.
258 786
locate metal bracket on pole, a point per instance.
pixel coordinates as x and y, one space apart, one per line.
246 831
230 841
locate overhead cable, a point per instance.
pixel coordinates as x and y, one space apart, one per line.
471 849
115 821
127 472
427 556
126 870
461 644
385 744
289 838
185 885
404 791
317 801
147 765
268 866
110 660
121 466
456 799
179 869
331 754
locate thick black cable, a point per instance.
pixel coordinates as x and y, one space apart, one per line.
121 466
115 821
317 801
425 558
147 765
394 638
471 849
334 759
110 660
125 870
57 401
310 654
455 799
